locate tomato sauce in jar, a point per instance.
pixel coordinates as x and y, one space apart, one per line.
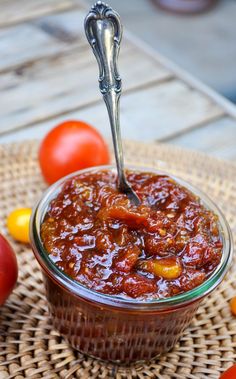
166 246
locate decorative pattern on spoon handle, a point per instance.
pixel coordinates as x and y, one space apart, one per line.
103 29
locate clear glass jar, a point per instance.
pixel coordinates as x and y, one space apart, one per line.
109 327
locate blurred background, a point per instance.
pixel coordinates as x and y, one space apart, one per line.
177 63
203 43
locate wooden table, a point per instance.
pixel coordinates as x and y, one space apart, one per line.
49 74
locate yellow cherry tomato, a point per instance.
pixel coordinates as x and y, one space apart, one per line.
18 224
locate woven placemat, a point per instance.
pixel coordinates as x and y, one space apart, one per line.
31 348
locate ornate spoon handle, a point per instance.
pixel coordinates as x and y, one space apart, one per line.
104 32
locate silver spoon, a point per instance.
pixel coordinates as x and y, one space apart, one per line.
104 32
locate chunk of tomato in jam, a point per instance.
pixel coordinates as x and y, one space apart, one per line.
167 245
135 285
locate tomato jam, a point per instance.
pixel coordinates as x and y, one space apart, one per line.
167 245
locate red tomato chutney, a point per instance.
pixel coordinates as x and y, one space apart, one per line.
166 246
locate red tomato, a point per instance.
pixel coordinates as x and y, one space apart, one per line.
230 373
8 269
71 146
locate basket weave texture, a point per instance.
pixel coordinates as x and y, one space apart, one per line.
31 348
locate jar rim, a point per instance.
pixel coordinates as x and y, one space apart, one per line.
78 289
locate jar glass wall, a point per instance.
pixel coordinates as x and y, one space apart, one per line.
114 328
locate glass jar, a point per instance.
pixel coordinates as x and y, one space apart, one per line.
110 327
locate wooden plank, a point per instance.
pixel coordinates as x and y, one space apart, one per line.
62 84
217 138
146 115
14 11
55 34
183 75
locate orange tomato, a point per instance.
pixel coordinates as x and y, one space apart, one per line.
233 306
71 146
230 373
